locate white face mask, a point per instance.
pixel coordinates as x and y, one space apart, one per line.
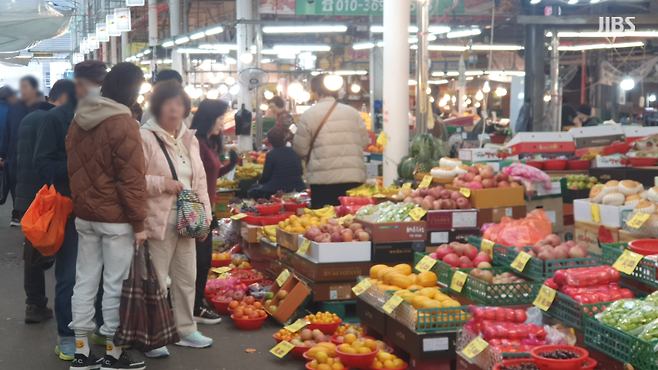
93 92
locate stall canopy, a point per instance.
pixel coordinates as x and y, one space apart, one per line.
25 23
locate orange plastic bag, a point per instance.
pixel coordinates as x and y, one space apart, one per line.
44 222
519 233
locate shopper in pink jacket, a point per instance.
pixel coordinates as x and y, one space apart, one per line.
173 255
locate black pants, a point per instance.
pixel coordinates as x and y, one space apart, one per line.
327 195
12 179
203 264
34 281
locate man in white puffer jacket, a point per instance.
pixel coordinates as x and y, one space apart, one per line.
336 158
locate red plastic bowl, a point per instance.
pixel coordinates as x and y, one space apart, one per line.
268 210
642 161
555 164
578 164
298 352
535 164
293 207
513 363
361 361
221 307
278 340
645 247
589 364
617 148
550 364
249 324
334 341
327 329
405 367
220 263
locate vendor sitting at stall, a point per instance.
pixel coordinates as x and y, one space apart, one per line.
584 117
282 171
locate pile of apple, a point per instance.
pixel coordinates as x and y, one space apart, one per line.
460 255
552 248
334 232
438 198
309 338
269 297
501 278
482 177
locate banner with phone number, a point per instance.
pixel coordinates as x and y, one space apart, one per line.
370 7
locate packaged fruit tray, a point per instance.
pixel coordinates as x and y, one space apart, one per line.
430 319
619 345
488 358
645 271
537 269
505 294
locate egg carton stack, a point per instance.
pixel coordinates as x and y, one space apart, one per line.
486 360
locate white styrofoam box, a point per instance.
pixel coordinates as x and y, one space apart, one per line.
596 136
479 154
607 161
337 252
610 215
634 132
556 188
541 142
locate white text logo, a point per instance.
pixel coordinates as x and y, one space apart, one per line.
616 24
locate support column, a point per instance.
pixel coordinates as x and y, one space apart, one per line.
113 50
174 30
124 45
556 101
153 32
396 85
245 35
534 73
422 66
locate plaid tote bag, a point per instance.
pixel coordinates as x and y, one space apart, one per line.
146 321
192 220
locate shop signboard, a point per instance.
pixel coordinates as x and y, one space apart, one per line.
101 32
122 16
276 6
368 7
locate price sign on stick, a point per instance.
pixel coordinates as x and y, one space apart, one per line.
425 264
282 349
285 274
392 303
627 262
382 139
239 216
361 287
427 180
545 297
474 348
296 326
465 191
304 247
487 247
406 185
638 220
596 213
458 281
520 261
417 213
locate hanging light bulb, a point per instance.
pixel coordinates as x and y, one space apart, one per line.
429 90
627 84
479 95
295 90
478 105
333 82
140 99
355 88
454 99
486 87
652 98
230 80
223 89
468 101
246 57
146 87
212 94
442 103
501 91
189 89
264 106
234 90
279 88
306 96
197 93
214 79
547 98
268 94
431 99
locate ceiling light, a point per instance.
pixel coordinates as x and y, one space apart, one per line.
214 31
140 99
304 29
463 33
506 73
468 101
263 106
333 82
439 29
431 99
501 91
479 95
486 87
139 55
594 1
447 48
587 34
652 98
413 82
219 46
266 60
344 73
214 79
477 105
535 1
355 88
167 61
147 51
573 2
299 48
287 56
144 62
497 47
230 60
189 89
182 40
600 46
279 88
547 98
268 94
234 90
380 29
146 87
230 80
363 45
246 57
627 84
437 82
198 35
442 103
168 44
223 89
306 96
295 89
454 99
212 94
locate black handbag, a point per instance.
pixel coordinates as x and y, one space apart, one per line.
243 121
4 185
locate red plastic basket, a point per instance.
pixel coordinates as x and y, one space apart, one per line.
327 329
617 148
589 364
544 363
277 339
268 210
298 352
535 164
405 367
249 324
334 341
361 361
645 247
555 164
221 307
220 263
293 207
642 161
356 201
578 164
252 281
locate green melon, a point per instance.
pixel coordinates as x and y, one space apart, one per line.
422 147
407 167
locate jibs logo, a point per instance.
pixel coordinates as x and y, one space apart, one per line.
616 24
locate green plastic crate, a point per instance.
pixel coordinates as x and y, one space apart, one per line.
537 269
499 294
432 319
571 312
645 271
619 345
443 271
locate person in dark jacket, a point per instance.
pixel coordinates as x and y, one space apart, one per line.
209 125
29 103
283 168
27 186
7 98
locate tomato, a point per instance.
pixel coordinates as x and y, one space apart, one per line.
615 295
500 314
521 316
490 313
551 283
626 293
510 315
613 274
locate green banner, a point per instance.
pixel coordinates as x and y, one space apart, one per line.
370 7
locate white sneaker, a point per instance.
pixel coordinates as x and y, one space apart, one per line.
161 352
195 340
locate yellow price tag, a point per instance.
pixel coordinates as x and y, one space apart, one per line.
285 274
239 216
406 185
427 180
361 287
520 261
596 214
627 262
474 348
486 246
425 264
638 220
465 191
392 303
417 213
296 326
282 349
221 270
545 297
304 247
382 139
458 281
379 195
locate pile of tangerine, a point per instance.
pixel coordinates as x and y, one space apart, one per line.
322 318
249 308
287 334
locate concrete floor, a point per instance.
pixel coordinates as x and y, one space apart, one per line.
30 347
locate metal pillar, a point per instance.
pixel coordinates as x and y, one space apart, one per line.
113 50
124 44
153 32
556 101
396 85
245 35
174 30
259 91
534 73
422 66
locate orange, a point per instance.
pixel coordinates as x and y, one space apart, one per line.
337 366
377 365
350 338
321 357
364 350
324 367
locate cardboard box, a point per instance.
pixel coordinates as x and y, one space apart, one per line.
609 215
552 207
397 251
250 233
436 238
597 136
588 234
328 271
371 316
330 291
447 219
637 132
496 214
336 252
287 240
495 197
541 142
298 292
394 231
608 161
481 154
430 345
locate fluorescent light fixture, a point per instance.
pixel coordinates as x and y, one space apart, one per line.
266 60
594 1
413 82
627 84
439 29
343 73
600 46
182 40
159 61
506 73
380 29
437 82
437 74
464 33
363 45
572 34
167 61
287 56
305 29
452 73
573 2
198 35
147 51
168 44
219 46
535 1
139 55
414 39
497 47
144 62
298 48
214 31
501 91
447 48
246 57
230 60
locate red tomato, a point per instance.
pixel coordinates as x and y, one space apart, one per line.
490 313
500 314
521 316
615 295
510 315
626 293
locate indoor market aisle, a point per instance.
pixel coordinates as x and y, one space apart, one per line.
31 347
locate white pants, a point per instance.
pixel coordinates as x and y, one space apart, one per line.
175 256
107 249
